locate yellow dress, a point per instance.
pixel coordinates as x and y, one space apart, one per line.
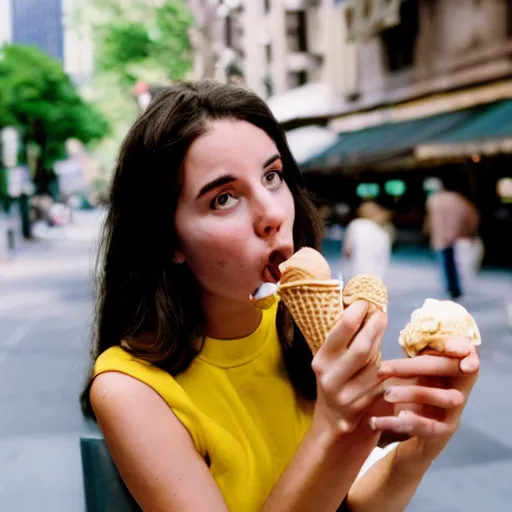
237 403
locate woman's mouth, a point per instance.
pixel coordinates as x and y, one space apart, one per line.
271 272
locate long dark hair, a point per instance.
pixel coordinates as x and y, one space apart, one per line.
142 298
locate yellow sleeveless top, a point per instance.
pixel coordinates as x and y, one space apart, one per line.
237 403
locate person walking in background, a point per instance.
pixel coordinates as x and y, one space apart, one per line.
368 241
452 222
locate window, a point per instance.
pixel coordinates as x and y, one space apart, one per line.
509 13
297 78
296 31
399 42
269 87
268 53
229 31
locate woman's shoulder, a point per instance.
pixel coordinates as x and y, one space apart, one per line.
117 358
128 379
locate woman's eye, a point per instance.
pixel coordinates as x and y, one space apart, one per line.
223 201
273 179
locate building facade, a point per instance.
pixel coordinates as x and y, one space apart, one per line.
277 45
39 23
434 46
78 43
5 22
56 27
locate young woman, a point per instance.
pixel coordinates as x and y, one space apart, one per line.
205 402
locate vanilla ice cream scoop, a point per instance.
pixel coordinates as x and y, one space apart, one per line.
436 322
265 296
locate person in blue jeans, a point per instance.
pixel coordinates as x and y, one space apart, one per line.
450 217
449 271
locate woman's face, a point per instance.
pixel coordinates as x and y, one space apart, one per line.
235 214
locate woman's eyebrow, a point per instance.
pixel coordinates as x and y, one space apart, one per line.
271 160
228 178
217 182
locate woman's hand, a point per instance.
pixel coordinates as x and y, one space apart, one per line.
432 404
347 378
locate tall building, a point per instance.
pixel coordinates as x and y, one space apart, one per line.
39 23
78 41
281 45
5 22
57 27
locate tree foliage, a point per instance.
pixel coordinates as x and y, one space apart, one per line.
40 99
153 37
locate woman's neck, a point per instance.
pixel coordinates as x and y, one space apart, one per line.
227 320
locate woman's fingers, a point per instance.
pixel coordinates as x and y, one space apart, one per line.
346 328
412 424
460 356
335 369
457 347
421 366
436 397
363 347
365 385
471 363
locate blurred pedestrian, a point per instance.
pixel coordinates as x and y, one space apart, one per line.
452 222
368 241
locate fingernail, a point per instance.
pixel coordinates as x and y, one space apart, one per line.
468 366
372 423
388 395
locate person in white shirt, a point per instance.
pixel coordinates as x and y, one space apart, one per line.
368 241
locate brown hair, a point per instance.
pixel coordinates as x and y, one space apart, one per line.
141 296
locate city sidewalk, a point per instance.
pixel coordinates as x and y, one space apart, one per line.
45 315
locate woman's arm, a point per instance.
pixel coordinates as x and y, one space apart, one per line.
159 463
435 405
322 472
389 485
154 453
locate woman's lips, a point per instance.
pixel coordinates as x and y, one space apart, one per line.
271 274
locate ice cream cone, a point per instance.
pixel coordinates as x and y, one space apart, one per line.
369 288
316 301
315 306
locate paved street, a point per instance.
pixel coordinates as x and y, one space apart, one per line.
45 312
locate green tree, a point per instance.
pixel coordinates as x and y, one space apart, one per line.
40 99
152 38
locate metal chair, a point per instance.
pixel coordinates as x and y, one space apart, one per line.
104 489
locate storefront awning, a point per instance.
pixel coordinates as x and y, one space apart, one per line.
386 141
307 141
487 133
311 103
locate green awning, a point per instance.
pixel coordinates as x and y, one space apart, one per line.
386 141
488 132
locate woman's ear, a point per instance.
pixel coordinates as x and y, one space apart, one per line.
178 258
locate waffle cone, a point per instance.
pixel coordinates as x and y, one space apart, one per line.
315 306
369 288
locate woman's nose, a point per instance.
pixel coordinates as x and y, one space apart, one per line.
269 217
